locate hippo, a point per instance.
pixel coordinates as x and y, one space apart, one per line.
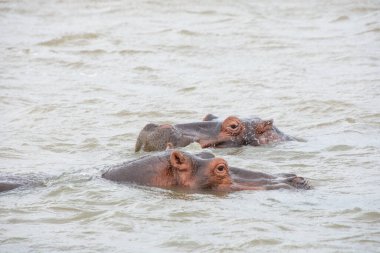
211 132
7 186
174 169
9 182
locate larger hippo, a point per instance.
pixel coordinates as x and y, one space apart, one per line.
211 132
176 169
201 172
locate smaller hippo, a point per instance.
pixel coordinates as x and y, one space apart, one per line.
231 132
200 172
9 182
6 186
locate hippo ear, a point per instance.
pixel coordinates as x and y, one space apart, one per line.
179 160
209 117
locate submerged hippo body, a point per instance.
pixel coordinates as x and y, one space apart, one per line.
7 186
201 172
231 132
9 182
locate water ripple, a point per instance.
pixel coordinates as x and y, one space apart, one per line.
73 39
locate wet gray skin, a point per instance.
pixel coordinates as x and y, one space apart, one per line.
5 186
276 181
159 170
231 132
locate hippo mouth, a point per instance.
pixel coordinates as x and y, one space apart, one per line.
224 143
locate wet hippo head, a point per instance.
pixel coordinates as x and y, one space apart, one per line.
173 169
194 172
235 132
231 132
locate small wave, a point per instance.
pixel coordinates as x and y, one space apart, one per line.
369 216
205 13
133 52
11 100
10 87
190 214
92 101
74 38
374 241
75 65
42 109
182 243
125 113
59 147
373 117
340 19
10 153
189 33
337 226
95 52
331 123
348 211
308 28
276 46
144 68
262 242
283 228
315 106
177 48
187 89
84 216
122 137
5 9
89 144
62 63
297 165
364 9
223 20
374 30
340 148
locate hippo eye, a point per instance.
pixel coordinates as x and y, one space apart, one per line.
220 169
234 126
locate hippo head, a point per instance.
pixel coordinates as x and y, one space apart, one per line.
234 132
196 173
231 132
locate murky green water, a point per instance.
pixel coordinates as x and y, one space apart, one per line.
79 79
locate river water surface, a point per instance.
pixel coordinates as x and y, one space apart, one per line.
79 79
